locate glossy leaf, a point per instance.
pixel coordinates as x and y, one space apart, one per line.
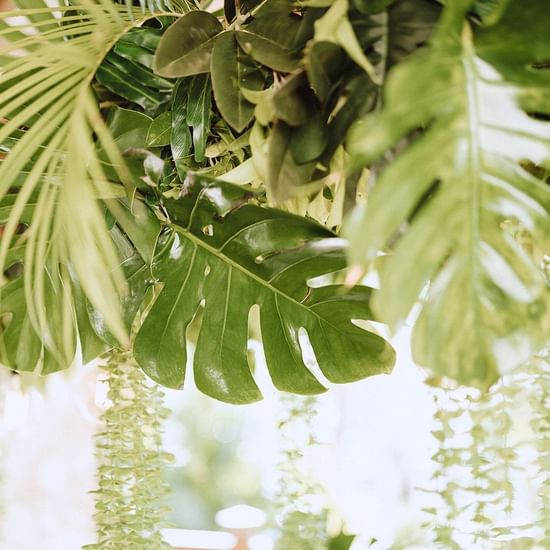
186 46
160 131
457 186
224 250
181 142
130 131
233 70
199 112
268 52
116 75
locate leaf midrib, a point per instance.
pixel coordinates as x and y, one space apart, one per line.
474 164
262 282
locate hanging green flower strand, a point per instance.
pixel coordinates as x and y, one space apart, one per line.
131 486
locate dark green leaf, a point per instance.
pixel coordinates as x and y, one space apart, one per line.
186 47
229 10
308 141
285 176
199 111
135 53
361 95
129 130
145 37
278 33
341 542
181 140
160 131
232 254
294 101
325 62
406 26
233 70
268 52
128 87
139 72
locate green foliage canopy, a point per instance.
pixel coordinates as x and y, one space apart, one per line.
165 102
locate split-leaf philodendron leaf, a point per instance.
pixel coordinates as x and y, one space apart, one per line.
228 253
454 188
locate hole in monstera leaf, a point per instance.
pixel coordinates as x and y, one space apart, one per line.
308 356
261 258
534 169
194 327
541 65
14 271
255 352
335 277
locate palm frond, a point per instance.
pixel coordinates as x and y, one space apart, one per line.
50 130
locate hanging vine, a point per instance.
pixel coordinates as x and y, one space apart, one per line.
474 462
131 462
300 502
540 423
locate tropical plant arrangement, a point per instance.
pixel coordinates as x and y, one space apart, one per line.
178 172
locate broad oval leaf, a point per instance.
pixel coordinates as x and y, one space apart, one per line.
295 101
277 34
224 250
160 130
285 177
233 70
457 186
268 52
186 46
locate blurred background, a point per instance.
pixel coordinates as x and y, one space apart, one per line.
365 457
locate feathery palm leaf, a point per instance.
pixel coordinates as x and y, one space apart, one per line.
483 97
50 131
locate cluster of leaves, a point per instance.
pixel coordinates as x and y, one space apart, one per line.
264 93
221 252
291 78
131 462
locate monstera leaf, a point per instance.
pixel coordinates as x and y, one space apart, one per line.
223 250
482 97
